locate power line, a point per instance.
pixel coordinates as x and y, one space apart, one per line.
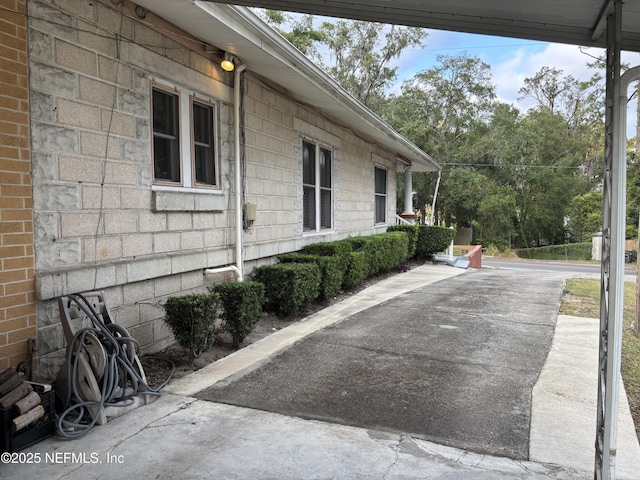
506 166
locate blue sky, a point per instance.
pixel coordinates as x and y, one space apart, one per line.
512 60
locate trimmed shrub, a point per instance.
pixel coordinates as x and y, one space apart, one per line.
383 252
241 307
433 239
331 271
191 319
357 270
288 286
390 251
397 246
367 246
339 249
412 235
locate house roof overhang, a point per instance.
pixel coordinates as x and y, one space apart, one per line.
577 22
263 51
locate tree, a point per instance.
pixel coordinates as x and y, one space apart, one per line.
301 33
441 107
442 110
494 223
360 54
554 92
585 216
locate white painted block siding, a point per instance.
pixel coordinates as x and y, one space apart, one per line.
99 224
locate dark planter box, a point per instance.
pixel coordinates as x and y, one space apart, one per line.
39 430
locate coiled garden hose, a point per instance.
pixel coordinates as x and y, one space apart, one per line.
119 372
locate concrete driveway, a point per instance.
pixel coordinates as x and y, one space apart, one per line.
179 436
454 362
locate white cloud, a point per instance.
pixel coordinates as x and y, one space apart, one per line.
509 74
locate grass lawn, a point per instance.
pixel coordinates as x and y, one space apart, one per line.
582 299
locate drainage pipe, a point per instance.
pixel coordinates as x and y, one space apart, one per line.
435 196
238 267
228 268
236 140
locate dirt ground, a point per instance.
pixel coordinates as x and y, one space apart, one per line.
157 367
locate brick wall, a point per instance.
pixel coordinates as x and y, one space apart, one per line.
17 299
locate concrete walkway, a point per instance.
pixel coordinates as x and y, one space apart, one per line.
178 436
564 403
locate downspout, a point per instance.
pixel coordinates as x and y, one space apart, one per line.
435 196
238 268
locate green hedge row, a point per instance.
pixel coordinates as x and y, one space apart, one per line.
412 236
340 265
288 286
425 240
570 251
331 271
433 240
318 271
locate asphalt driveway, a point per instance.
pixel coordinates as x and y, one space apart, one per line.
453 362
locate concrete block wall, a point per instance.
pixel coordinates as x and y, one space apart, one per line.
17 295
275 127
99 221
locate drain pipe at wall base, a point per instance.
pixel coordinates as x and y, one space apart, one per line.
238 267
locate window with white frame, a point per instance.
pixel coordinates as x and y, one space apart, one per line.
317 187
381 195
184 147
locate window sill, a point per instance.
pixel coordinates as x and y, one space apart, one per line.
315 233
176 199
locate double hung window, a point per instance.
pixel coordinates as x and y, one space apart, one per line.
380 195
317 187
184 146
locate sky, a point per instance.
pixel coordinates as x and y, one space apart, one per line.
512 60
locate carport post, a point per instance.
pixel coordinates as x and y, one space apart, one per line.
612 274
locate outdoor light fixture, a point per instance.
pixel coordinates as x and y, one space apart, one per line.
227 64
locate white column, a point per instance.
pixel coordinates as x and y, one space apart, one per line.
408 191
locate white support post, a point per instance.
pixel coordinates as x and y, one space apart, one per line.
612 277
408 191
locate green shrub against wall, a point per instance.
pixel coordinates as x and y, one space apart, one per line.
357 270
331 271
391 251
339 249
570 251
432 239
383 251
191 319
241 307
412 236
288 286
